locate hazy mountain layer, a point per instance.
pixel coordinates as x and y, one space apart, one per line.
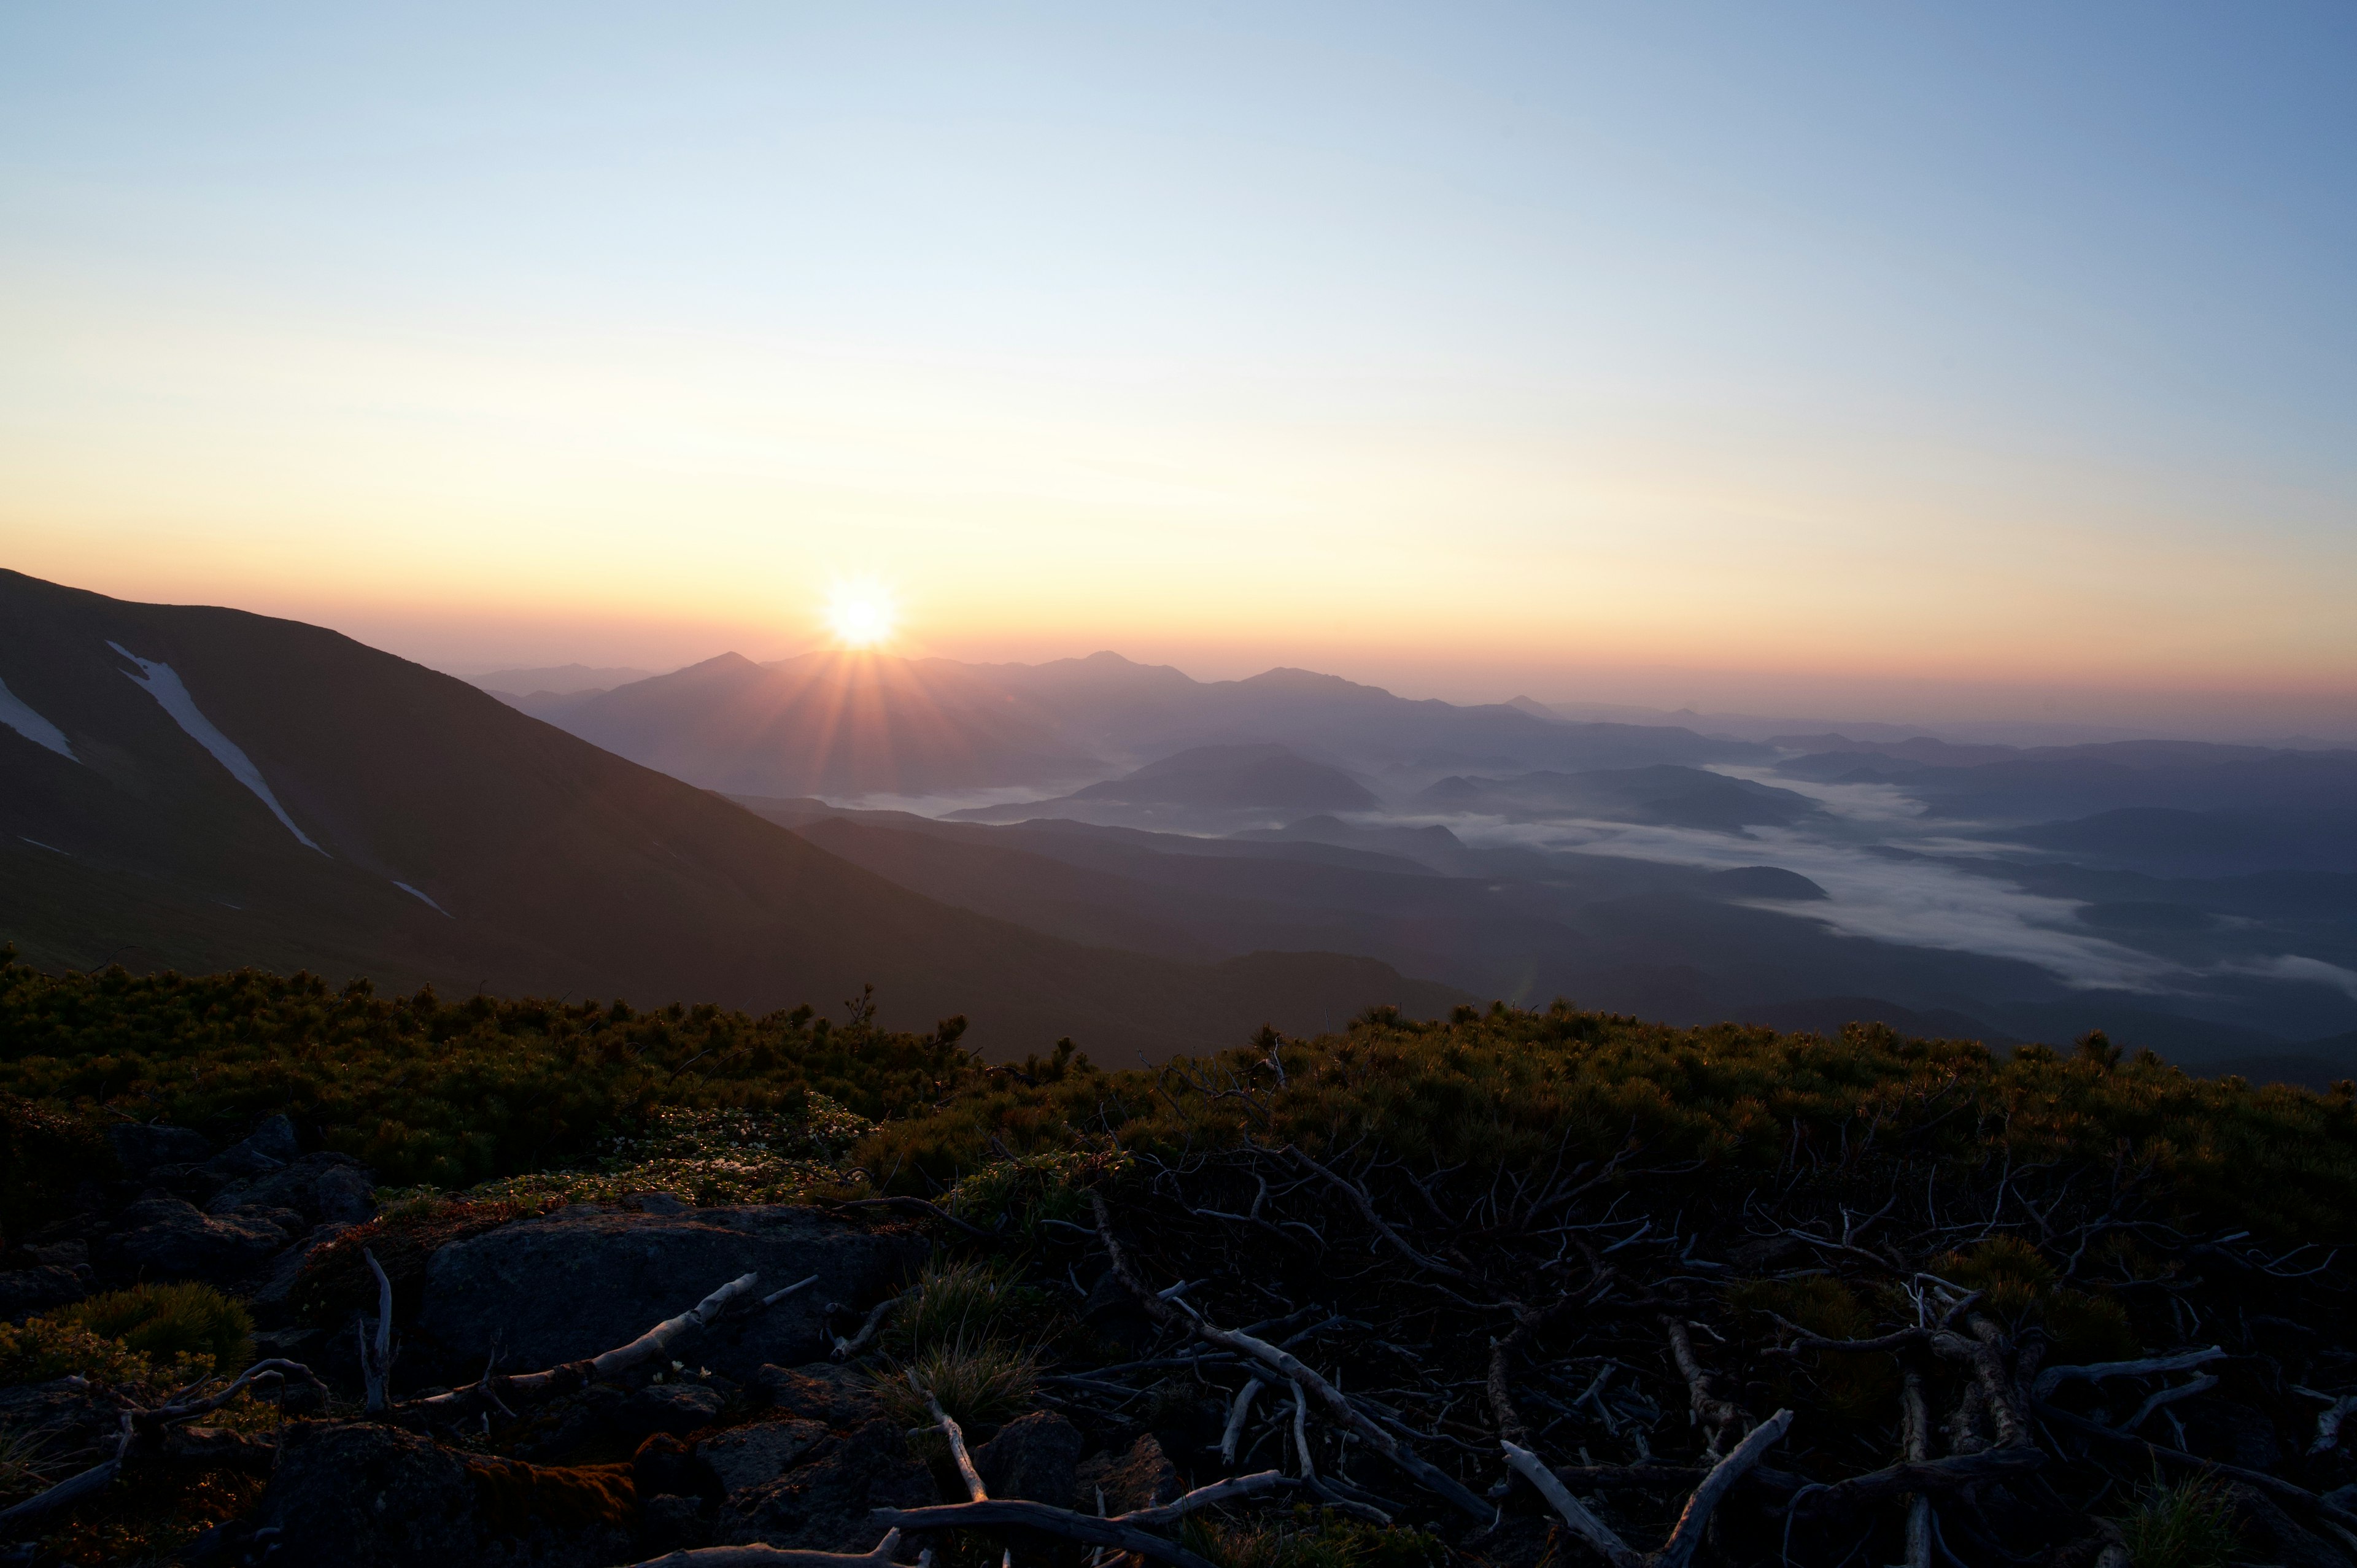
240 790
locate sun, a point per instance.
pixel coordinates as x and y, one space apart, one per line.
861 615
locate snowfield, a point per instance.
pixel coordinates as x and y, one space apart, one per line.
160 681
17 716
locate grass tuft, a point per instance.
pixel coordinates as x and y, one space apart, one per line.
982 1382
2188 1525
168 1322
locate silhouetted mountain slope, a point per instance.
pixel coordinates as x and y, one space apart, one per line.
826 724
1199 787
2166 838
1667 795
1997 784
1228 778
847 726
235 790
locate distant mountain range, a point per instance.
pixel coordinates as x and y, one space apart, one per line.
1145 862
849 725
203 789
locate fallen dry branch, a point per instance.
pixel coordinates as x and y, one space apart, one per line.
1338 1410
760 1556
571 1376
1584 1524
1001 1513
1957 1473
159 1433
1686 1539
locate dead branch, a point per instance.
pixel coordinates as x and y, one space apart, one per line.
1956 1473
1685 1540
1917 1423
1984 1354
557 1380
1583 1523
1237 1413
1705 1407
951 1430
2161 1453
1228 1492
760 1556
1338 1409
2053 1378
2329 1419
775 1296
1020 1513
73 1488
844 1350
376 1362
1364 1203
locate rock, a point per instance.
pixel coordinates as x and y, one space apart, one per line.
2274 1536
754 1456
66 1417
323 1188
2231 1430
24 1291
658 1202
271 1296
1033 1456
376 1497
581 1281
664 1464
60 1254
824 1503
140 1146
270 1148
676 1408
675 1522
371 1497
165 1238
1138 1479
824 1391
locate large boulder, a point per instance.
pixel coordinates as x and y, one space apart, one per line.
582 1281
1033 1456
758 1453
827 1392
324 1188
376 1497
827 1502
166 1237
26 1291
370 1497
1142 1478
140 1146
271 1146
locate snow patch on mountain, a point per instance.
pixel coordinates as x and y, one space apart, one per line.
429 903
20 717
162 683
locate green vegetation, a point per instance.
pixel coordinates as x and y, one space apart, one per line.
425 1090
2188 1525
170 1322
1309 1537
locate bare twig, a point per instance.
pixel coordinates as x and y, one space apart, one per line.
1576 1514
1687 1537
1329 1398
759 1556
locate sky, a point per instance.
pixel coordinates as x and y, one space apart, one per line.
1974 361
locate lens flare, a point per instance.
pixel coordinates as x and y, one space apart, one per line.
861 615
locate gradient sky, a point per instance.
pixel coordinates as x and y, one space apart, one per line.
2001 355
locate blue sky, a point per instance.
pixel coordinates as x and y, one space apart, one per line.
1800 350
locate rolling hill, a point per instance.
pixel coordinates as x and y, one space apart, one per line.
205 789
